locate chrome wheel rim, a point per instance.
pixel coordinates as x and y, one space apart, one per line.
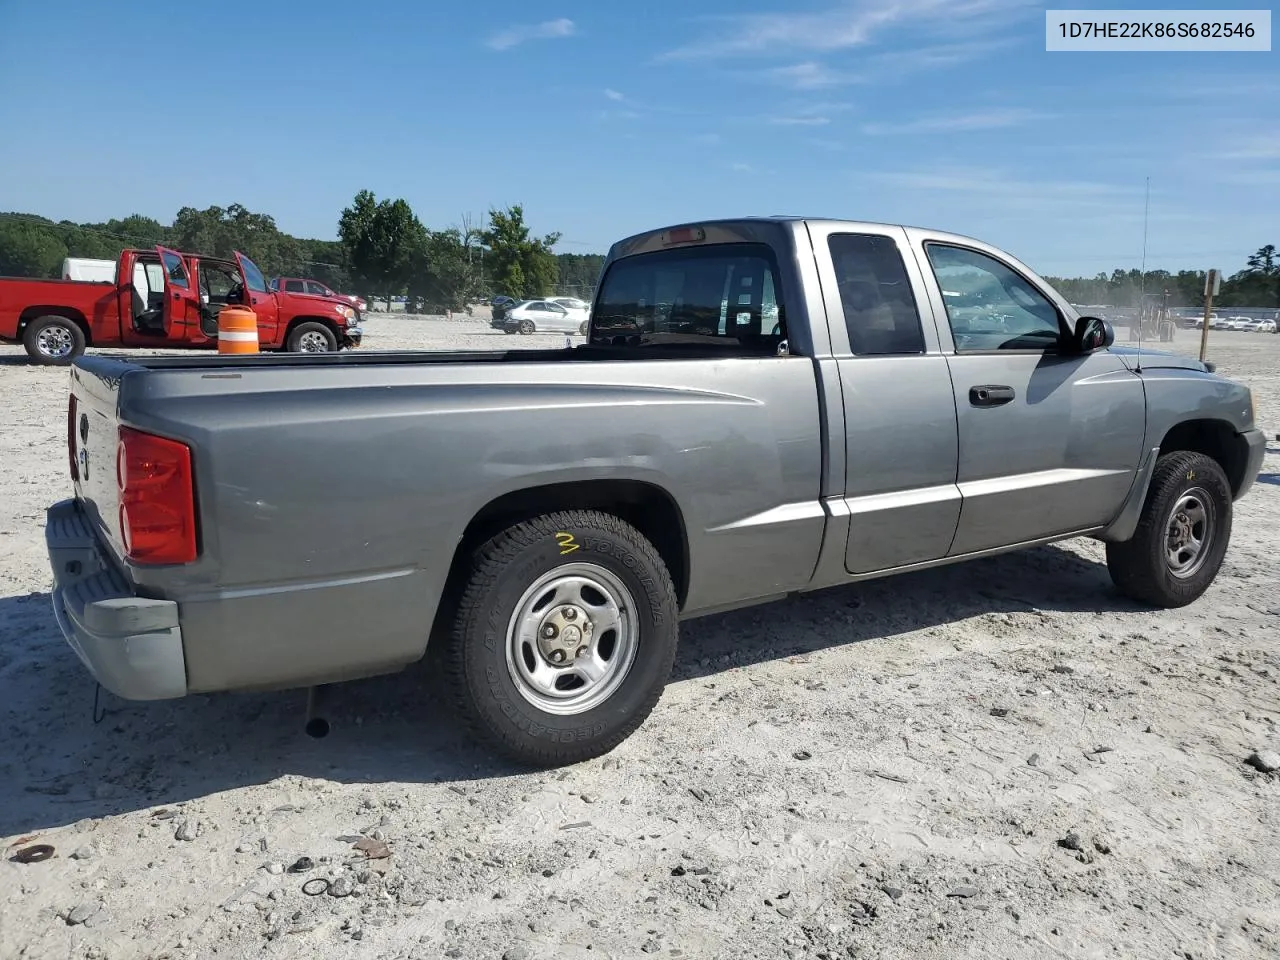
55 342
313 341
572 639
1189 533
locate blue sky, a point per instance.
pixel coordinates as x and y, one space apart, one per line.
608 118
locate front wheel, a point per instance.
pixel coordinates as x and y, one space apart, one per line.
312 337
53 340
526 326
1182 535
564 637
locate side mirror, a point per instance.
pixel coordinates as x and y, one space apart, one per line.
1093 333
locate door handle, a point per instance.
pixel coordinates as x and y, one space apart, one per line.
177 295
990 395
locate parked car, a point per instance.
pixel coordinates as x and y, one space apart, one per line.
314 288
163 298
541 316
499 307
542 520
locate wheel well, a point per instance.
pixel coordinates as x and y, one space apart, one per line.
1214 438
75 316
646 507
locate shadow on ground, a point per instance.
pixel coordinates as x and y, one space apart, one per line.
59 766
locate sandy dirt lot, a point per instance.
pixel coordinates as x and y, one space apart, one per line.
1000 759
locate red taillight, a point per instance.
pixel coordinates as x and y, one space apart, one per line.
71 438
157 498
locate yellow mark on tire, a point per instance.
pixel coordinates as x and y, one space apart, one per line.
1191 474
567 543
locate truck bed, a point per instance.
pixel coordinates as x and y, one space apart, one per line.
332 490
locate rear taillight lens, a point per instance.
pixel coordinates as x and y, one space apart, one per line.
71 438
157 498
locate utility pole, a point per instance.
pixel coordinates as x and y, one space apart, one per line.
1211 287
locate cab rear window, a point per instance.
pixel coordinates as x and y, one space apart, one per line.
725 295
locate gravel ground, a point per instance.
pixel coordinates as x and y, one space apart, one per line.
1000 759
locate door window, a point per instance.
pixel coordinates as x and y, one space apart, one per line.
318 289
252 275
880 310
293 286
176 269
989 305
725 296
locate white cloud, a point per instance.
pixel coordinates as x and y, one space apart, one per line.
1250 149
522 33
743 168
811 76
958 123
852 24
801 121
613 94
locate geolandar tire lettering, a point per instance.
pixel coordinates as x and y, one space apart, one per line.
1182 535
563 638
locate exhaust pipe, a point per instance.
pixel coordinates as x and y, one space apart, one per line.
316 726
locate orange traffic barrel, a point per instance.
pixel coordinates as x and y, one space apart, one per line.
237 330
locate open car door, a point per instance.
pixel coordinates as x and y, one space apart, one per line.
181 302
260 299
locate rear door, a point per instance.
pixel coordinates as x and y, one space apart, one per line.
1049 439
899 408
181 310
262 301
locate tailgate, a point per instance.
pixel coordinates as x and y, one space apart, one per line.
92 439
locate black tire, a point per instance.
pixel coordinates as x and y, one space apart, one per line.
582 328
304 337
526 326
502 575
53 341
1140 567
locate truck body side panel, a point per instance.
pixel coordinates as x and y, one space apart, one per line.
331 498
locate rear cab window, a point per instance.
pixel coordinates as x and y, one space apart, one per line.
723 297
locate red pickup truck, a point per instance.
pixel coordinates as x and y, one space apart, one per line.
163 298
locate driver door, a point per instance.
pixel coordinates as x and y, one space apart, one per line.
181 311
1049 439
261 300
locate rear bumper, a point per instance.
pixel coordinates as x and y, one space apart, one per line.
131 645
1256 445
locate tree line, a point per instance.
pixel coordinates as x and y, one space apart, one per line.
384 250
1256 285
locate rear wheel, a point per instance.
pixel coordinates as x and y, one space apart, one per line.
526 326
1182 535
312 337
563 638
53 340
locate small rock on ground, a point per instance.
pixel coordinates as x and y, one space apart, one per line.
1264 761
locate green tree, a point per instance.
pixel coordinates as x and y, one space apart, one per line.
518 265
29 248
384 243
446 274
218 232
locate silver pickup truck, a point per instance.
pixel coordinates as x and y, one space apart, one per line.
763 406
